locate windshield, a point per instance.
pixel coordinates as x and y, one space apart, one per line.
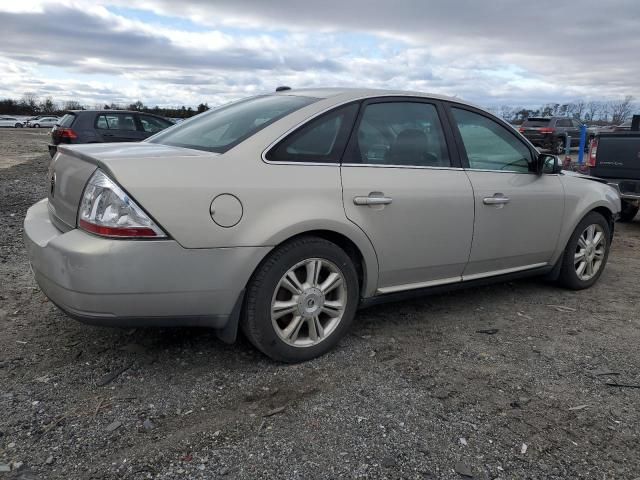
223 128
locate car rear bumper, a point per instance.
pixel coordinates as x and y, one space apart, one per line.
542 140
136 283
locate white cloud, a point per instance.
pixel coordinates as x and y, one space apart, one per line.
487 52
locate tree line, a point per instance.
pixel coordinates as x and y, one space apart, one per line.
612 112
31 104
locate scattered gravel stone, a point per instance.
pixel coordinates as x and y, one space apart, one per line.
113 426
148 425
463 469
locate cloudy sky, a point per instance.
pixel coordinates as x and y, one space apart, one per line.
168 53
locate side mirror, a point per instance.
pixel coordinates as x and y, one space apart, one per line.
549 164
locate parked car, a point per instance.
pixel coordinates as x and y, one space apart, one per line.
551 133
10 122
615 156
284 213
42 122
97 126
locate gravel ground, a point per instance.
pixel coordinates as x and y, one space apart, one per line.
415 391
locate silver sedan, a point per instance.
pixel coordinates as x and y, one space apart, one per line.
283 213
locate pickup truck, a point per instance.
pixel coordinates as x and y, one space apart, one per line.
615 157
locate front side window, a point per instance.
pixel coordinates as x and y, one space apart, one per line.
322 140
220 129
489 145
399 133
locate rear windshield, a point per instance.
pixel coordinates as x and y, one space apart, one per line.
67 120
223 128
536 122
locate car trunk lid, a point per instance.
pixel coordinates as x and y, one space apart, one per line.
73 165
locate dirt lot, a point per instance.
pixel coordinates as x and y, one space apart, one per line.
414 392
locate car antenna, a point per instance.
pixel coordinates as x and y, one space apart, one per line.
283 88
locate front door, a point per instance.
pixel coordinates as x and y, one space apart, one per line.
518 213
404 188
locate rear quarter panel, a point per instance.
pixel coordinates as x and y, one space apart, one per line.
278 200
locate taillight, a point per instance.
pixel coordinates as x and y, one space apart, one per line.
108 211
521 129
593 151
64 132
547 130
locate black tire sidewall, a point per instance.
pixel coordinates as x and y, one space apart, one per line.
628 212
257 315
568 276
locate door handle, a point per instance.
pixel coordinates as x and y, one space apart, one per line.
374 198
497 199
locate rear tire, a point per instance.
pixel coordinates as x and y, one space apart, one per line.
628 212
301 300
586 253
559 146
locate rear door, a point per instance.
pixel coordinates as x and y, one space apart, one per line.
518 213
404 187
118 127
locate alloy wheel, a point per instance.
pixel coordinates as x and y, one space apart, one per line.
309 302
590 252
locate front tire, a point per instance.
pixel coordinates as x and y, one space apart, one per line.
301 300
18 125
37 125
628 212
586 253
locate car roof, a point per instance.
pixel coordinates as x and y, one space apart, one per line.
347 94
75 112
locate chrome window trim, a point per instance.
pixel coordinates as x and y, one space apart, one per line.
263 155
390 165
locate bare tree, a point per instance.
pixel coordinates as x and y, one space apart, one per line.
621 109
578 109
72 105
592 109
29 102
48 106
506 112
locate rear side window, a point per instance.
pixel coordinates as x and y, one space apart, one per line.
153 124
563 122
490 146
116 121
322 140
221 129
536 122
399 133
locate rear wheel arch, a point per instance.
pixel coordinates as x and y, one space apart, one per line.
366 269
